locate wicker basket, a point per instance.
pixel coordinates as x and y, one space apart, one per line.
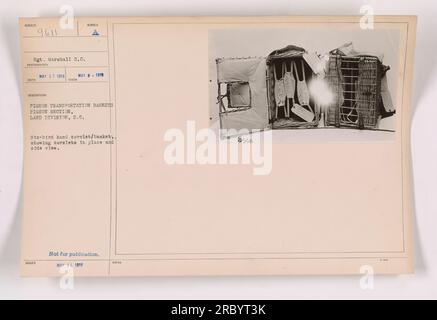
356 82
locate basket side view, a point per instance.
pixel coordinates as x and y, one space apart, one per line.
356 84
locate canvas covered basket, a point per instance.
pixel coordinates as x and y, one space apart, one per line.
242 93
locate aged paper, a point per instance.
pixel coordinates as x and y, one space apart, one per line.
217 145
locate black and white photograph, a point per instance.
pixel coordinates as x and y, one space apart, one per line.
342 81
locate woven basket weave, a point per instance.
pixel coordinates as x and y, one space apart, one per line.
356 83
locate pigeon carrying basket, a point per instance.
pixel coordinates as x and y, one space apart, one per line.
356 84
301 73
